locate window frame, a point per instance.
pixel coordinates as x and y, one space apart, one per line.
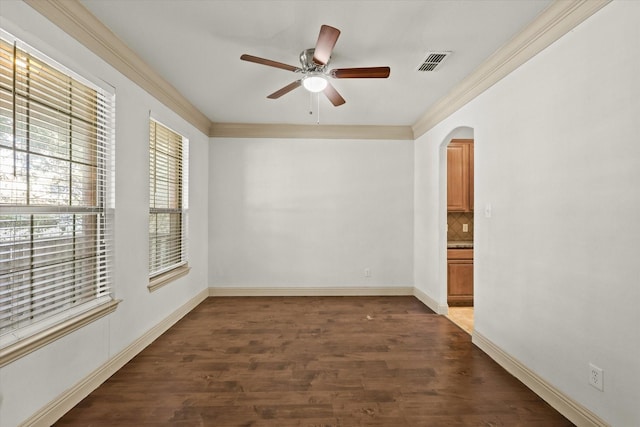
39 330
171 272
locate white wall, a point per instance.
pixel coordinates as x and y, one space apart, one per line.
31 382
557 277
556 265
310 213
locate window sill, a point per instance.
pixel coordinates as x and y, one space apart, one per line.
38 340
160 280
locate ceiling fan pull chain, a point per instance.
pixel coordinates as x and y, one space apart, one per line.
310 103
318 104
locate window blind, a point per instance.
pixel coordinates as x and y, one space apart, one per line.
56 132
167 207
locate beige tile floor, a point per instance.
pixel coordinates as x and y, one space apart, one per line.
463 317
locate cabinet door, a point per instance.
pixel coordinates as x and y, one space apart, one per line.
471 189
460 283
457 177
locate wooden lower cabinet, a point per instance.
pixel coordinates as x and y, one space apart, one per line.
460 277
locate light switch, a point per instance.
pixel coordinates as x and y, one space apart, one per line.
465 228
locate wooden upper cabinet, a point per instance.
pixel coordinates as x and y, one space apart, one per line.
460 175
471 190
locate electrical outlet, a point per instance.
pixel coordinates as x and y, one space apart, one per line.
465 228
596 377
367 272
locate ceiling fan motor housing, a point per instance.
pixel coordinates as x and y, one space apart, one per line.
313 68
308 64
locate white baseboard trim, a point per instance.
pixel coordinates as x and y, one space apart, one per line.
67 400
243 291
297 291
53 411
575 412
430 302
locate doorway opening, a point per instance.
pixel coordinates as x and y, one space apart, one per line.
459 162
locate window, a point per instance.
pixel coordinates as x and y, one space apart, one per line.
167 205
55 239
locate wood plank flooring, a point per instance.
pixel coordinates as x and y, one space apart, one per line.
313 361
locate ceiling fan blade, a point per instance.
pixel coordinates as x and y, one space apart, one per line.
288 88
333 95
269 62
324 46
361 73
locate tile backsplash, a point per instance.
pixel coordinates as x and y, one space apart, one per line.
455 221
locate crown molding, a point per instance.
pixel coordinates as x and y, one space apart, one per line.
554 22
77 21
268 130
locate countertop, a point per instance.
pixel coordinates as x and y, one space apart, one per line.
462 244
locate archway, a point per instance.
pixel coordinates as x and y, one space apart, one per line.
456 228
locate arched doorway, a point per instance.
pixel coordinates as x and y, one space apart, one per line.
457 185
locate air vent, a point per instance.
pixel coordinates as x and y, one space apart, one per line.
434 60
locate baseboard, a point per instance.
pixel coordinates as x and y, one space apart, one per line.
430 302
52 412
67 400
297 291
576 413
71 397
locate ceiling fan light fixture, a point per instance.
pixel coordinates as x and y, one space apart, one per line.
313 72
314 83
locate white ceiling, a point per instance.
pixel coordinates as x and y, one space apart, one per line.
196 45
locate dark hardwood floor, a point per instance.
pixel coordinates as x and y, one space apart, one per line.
313 361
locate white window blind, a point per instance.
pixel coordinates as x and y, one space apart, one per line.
167 195
56 140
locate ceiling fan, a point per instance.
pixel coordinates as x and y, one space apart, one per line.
315 75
